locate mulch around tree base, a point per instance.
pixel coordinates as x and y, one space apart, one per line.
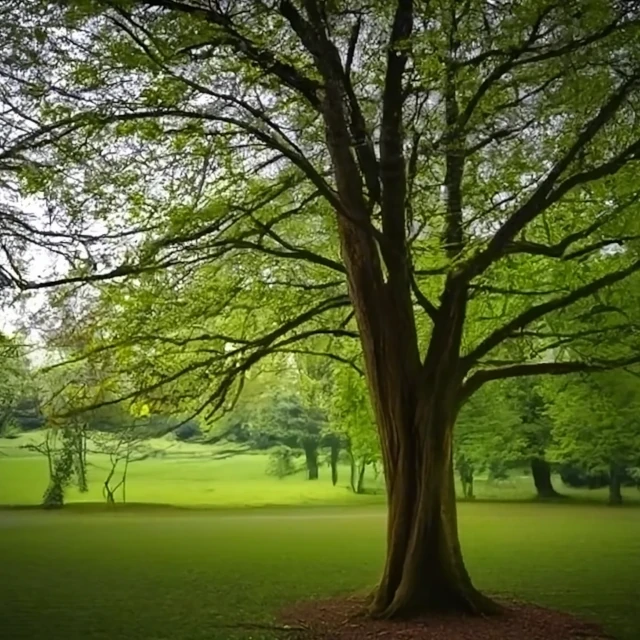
342 619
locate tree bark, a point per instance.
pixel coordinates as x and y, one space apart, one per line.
311 457
335 454
541 472
353 471
415 400
615 485
424 569
360 485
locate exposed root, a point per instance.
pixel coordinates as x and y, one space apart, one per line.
471 603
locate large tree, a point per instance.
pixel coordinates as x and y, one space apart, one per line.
231 164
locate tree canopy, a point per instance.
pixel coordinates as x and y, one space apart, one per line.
452 183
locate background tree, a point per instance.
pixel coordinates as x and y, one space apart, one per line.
351 416
122 444
536 429
447 164
14 383
288 421
595 425
488 436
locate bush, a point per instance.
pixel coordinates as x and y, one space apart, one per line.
574 475
282 462
498 470
10 431
188 431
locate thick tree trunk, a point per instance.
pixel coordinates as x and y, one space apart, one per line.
311 457
424 569
615 486
541 472
414 398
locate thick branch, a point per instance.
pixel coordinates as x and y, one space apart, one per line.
538 311
479 378
392 162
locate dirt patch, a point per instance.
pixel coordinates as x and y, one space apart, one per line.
343 619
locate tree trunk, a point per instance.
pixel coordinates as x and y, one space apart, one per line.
615 488
108 492
466 479
360 485
124 479
415 399
424 569
541 472
335 454
311 457
353 472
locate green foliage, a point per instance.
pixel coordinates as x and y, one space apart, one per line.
595 422
188 431
66 459
237 257
15 383
282 461
352 417
488 436
286 419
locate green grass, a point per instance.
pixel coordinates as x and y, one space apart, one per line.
181 574
188 575
188 476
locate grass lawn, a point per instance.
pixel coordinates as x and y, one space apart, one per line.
188 475
188 575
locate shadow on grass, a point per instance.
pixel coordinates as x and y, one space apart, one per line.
149 507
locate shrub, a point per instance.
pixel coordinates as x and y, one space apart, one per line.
188 431
282 461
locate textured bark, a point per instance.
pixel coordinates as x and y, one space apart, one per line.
424 569
541 472
415 399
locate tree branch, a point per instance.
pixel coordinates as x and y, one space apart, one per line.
550 190
392 161
481 377
244 46
538 311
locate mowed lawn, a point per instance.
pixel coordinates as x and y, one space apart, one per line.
188 475
191 575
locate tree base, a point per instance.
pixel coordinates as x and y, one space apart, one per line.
471 603
343 619
550 495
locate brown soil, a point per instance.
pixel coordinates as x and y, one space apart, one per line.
344 620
